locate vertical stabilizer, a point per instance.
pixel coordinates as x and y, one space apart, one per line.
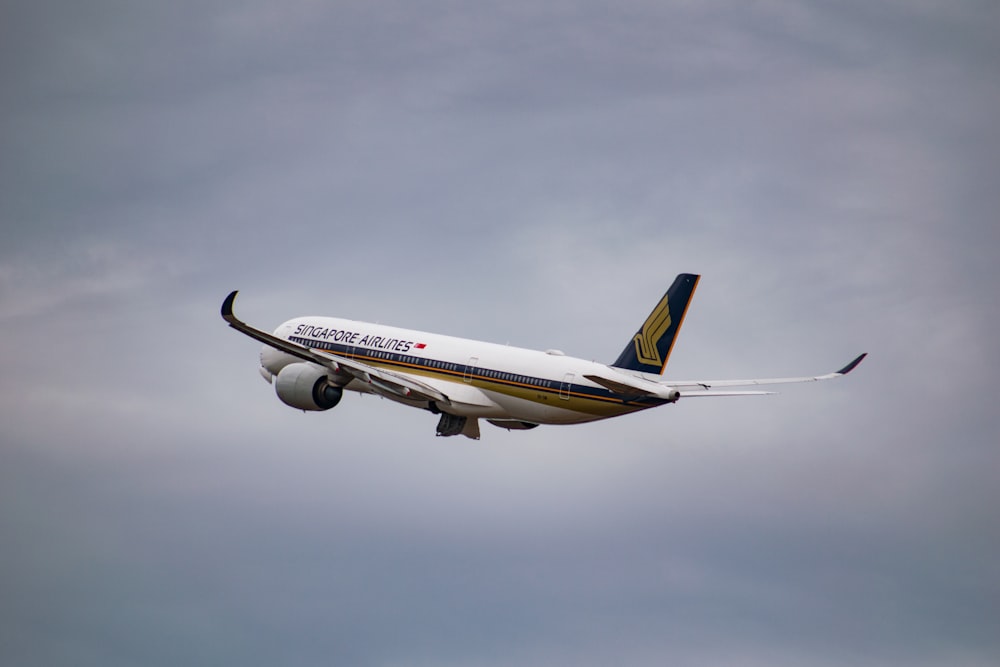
650 348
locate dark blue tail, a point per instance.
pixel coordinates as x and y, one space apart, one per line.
649 349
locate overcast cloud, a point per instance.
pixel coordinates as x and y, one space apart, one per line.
517 173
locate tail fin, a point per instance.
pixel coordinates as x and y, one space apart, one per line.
649 349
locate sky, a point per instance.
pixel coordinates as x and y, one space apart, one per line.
523 173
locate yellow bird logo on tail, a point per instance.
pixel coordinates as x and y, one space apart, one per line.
652 331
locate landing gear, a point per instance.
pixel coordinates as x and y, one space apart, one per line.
454 425
451 424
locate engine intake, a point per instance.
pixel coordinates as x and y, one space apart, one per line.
306 386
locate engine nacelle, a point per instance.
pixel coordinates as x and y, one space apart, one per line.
305 386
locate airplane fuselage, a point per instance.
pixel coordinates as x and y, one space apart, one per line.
481 379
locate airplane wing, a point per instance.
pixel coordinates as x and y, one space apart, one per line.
382 381
632 390
636 386
706 387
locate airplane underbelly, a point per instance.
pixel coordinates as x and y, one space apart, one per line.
544 409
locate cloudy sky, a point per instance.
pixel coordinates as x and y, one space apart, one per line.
518 173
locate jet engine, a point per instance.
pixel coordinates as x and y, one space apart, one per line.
306 386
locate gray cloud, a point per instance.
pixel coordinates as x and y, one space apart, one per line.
518 174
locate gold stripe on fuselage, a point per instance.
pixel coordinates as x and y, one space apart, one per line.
598 406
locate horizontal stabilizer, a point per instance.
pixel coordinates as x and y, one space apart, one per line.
619 387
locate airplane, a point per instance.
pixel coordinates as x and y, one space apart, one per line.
312 360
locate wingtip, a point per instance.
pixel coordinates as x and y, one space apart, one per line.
227 306
854 364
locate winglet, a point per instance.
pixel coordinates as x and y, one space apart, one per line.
227 307
291 348
846 369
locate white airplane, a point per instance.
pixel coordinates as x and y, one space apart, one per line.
312 360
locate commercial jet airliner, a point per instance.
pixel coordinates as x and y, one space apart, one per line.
312 360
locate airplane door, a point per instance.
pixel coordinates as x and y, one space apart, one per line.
470 369
565 385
